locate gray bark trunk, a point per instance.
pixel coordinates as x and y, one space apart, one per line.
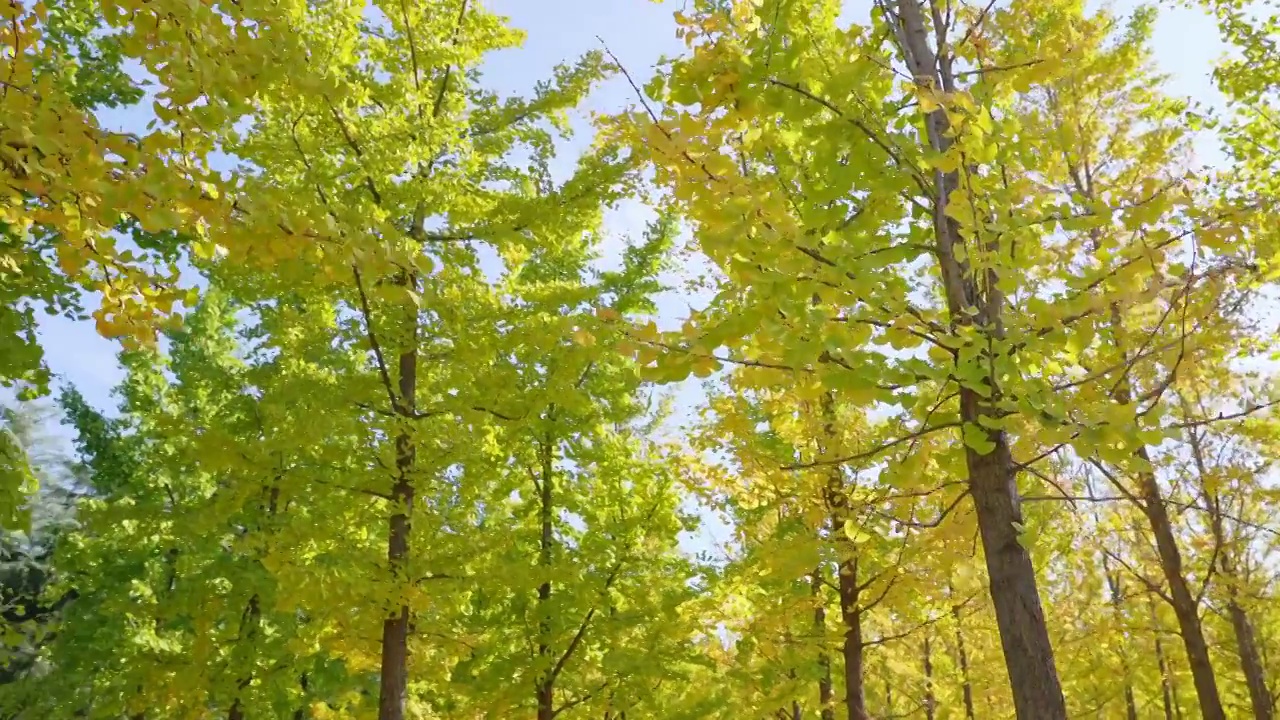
394 677
1024 636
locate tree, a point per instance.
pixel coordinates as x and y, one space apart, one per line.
900 171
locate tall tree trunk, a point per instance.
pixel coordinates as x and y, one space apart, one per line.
546 690
252 618
1250 661
930 701
888 689
1185 606
1246 643
795 712
1166 679
826 691
853 647
1115 588
394 680
962 656
1024 636
248 631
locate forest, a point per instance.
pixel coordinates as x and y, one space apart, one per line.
937 377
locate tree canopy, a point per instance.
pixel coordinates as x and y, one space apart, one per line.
977 371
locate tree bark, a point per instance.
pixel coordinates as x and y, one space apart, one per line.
1024 636
394 681
252 618
962 656
1251 662
1153 506
248 631
1246 644
853 647
1166 681
1115 588
826 691
1185 606
546 690
930 701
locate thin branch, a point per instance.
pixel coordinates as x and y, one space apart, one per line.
360 491
579 700
893 154
1142 578
1222 417
875 450
373 342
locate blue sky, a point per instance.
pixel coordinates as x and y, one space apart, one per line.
638 32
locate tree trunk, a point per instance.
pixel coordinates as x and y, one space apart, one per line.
962 655
1166 681
1117 596
1024 636
1152 504
854 689
888 690
1251 662
252 618
394 680
1185 606
248 631
826 692
1246 644
546 690
930 701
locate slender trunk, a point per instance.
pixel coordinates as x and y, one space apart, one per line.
1024 636
248 631
930 701
795 712
826 692
252 619
849 590
888 690
1246 643
1166 682
393 690
1185 606
962 655
1115 588
853 647
1251 661
546 690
